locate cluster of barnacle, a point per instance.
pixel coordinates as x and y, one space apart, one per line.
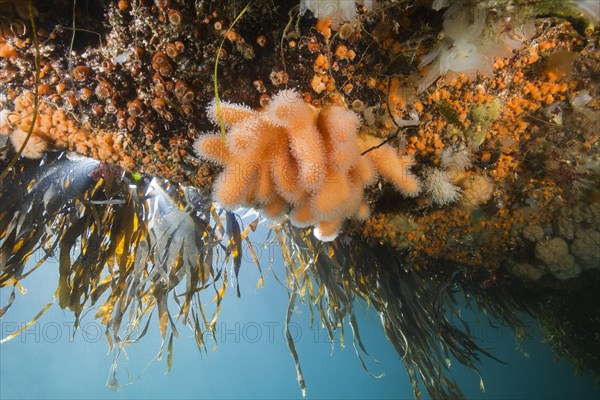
336 68
145 86
146 80
149 72
14 41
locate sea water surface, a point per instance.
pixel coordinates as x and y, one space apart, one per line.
251 360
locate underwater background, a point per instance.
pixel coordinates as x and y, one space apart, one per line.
426 170
252 360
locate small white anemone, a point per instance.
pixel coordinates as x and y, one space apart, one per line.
456 159
439 188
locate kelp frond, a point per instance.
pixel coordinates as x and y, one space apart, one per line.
131 248
123 246
420 308
414 305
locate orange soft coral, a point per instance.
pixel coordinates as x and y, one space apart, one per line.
301 160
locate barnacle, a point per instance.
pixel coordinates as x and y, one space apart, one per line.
81 72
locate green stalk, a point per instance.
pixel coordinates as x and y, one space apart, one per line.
215 81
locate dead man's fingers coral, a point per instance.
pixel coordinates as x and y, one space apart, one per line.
308 150
265 188
339 128
5 125
275 208
340 125
326 231
251 136
363 172
303 160
353 204
287 109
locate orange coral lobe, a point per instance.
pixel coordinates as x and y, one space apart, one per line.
302 216
327 231
212 148
334 193
274 208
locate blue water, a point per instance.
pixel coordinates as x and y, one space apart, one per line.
252 359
